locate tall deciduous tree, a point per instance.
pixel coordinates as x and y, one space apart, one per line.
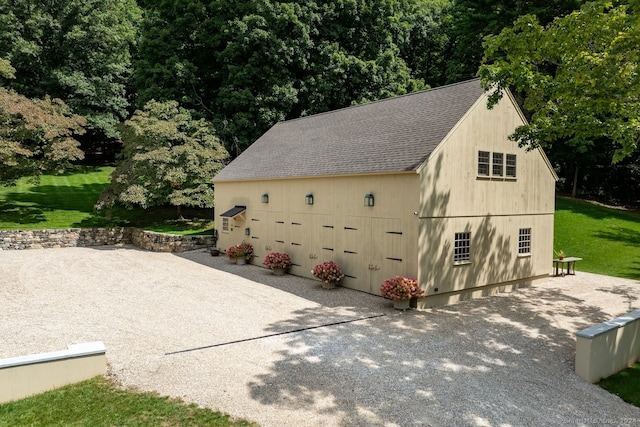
168 158
76 50
580 77
36 136
473 20
247 65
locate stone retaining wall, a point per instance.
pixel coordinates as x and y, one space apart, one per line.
160 242
84 237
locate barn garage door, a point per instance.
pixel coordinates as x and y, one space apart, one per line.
371 250
268 234
311 242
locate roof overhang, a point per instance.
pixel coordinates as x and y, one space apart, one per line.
234 212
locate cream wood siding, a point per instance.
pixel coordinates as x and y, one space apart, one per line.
450 183
410 230
371 244
454 199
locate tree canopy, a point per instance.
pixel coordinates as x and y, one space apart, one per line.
77 50
168 157
247 65
36 136
579 77
473 20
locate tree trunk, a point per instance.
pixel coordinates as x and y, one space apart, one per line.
179 212
574 190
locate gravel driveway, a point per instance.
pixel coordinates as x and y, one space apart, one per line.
281 351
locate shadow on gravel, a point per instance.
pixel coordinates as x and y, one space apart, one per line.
502 360
450 366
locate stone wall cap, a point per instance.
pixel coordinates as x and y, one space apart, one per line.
607 326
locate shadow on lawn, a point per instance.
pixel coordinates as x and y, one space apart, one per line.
71 201
624 235
593 209
79 198
20 214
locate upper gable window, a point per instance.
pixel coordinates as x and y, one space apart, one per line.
511 165
483 163
498 164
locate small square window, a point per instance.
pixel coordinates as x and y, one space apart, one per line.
498 164
524 241
462 248
511 165
483 163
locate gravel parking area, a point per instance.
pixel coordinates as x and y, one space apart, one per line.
282 351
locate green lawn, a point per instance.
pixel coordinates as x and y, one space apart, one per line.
65 201
607 240
98 402
625 384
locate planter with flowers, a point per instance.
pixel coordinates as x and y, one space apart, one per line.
278 262
329 272
240 253
401 289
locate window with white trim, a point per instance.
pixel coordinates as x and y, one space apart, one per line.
497 167
483 163
462 248
524 241
225 224
511 166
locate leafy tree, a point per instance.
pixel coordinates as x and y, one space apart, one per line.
168 158
247 65
427 40
76 50
580 77
36 136
6 69
473 20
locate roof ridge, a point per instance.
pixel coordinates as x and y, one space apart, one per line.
377 101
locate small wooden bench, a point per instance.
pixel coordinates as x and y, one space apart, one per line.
558 264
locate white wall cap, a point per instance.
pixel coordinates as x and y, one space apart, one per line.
73 350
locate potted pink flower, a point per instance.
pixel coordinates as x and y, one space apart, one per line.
401 289
329 272
278 262
241 253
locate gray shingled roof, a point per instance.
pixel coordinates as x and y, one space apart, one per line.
392 135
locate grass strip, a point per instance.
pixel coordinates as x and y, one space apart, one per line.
98 402
625 384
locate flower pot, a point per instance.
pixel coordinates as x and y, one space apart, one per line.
215 252
241 260
402 304
277 271
328 285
